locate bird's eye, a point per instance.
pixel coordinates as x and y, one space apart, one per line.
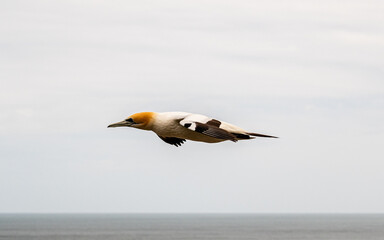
129 120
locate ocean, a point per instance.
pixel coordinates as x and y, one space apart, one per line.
191 226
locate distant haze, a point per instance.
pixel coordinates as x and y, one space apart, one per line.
310 72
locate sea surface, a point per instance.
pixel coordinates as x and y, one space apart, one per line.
191 226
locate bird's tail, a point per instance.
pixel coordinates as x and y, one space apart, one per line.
241 136
261 135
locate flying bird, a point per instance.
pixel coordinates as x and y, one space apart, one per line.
177 127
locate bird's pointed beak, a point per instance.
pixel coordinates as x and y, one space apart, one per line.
120 124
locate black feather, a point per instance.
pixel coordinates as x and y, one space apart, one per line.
214 132
173 140
261 135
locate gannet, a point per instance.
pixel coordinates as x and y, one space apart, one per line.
177 127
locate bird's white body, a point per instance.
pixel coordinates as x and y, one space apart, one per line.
175 127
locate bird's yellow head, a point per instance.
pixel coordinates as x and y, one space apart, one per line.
142 120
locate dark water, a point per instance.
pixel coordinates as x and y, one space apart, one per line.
191 226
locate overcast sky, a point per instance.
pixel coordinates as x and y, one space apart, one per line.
310 72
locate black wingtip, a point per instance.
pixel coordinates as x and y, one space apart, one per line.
173 140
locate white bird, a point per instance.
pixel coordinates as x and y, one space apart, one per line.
175 127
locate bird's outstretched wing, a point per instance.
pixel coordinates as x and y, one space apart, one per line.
207 126
217 129
173 140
